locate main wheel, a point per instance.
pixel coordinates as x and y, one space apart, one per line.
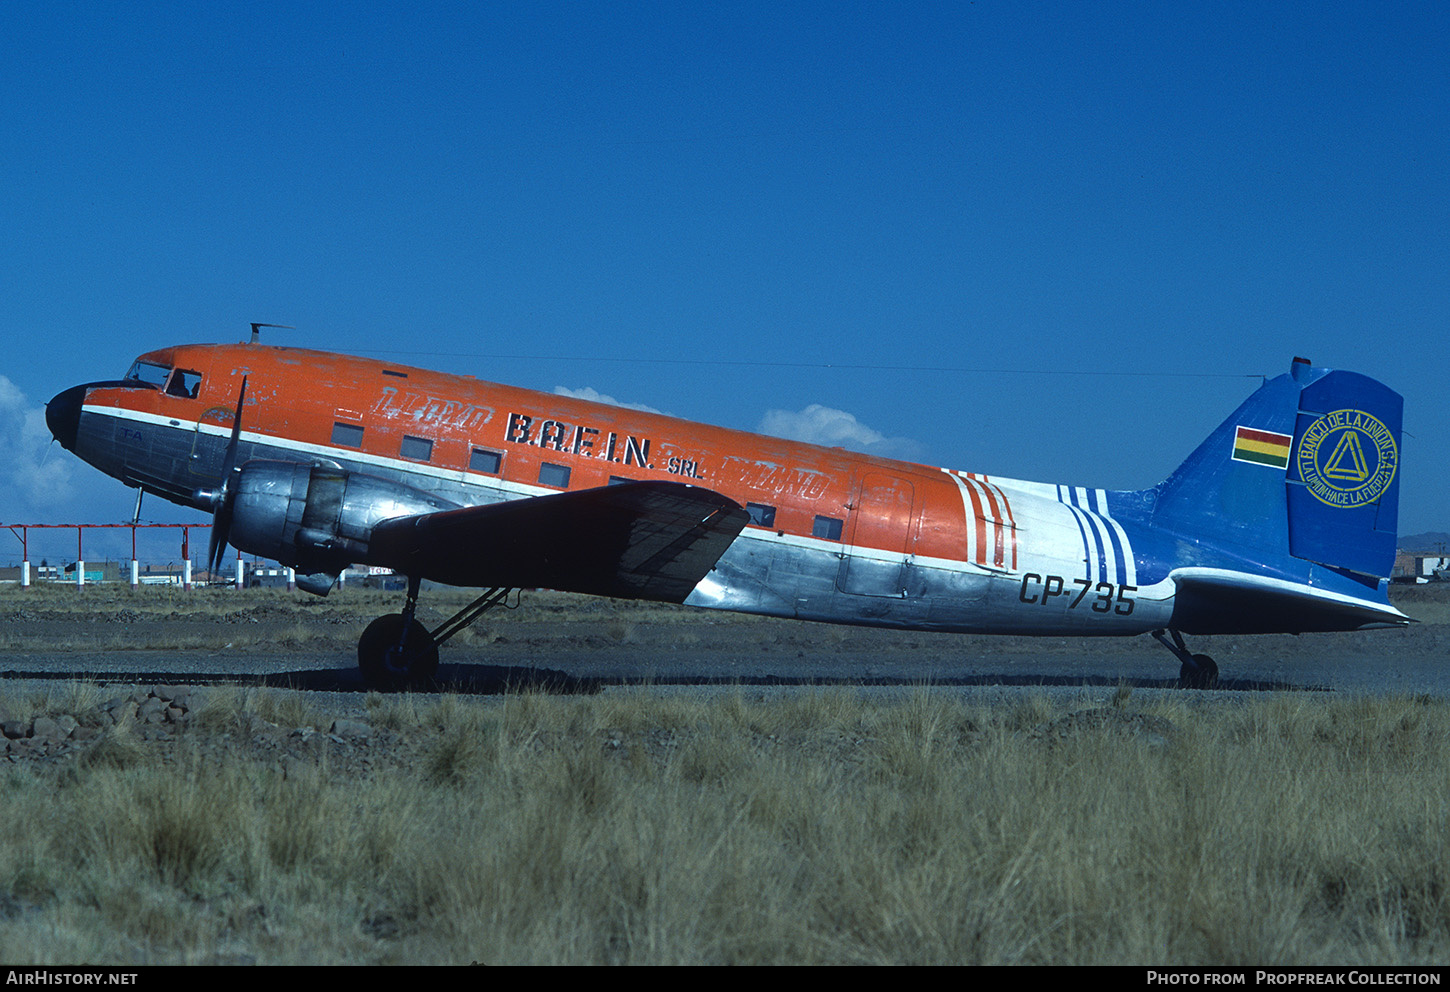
385 665
1201 674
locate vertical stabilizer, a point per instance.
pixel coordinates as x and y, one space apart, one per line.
1307 467
1229 493
1344 480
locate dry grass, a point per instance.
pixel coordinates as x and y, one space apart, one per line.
169 601
172 599
821 828
105 618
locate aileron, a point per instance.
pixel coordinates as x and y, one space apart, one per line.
644 540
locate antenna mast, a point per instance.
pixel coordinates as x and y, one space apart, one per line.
256 327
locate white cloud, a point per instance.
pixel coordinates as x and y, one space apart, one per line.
33 477
42 483
595 396
818 424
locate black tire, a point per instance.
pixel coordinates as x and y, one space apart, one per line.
378 657
1201 674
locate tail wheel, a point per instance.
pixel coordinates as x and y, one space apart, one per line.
1196 671
388 660
1201 673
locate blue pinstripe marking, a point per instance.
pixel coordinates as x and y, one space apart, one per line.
1087 530
1098 542
1086 551
1097 537
1119 553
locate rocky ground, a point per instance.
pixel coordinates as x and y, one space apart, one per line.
104 671
132 723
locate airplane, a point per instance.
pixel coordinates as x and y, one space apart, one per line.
1282 520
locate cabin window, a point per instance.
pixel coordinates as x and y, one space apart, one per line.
554 475
827 528
760 514
150 373
347 435
184 384
418 449
483 460
619 480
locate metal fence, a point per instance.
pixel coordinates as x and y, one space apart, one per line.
27 573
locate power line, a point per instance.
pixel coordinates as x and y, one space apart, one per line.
737 363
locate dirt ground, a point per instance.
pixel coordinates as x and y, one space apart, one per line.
575 643
273 675
156 681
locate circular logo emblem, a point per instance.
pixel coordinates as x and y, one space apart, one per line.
1347 458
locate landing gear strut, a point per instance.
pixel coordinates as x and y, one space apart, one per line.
1197 671
396 651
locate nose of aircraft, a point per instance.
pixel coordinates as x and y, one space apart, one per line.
63 415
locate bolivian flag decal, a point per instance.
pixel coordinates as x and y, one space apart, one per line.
1262 447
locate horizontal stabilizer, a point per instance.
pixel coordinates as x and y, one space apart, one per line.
1205 597
640 540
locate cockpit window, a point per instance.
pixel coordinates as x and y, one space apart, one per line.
150 373
184 383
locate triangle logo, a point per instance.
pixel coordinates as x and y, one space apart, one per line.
1347 463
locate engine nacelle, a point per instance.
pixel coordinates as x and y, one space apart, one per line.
317 518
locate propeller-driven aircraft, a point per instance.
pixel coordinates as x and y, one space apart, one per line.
1283 520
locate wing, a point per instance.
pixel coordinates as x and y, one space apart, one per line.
638 540
1219 601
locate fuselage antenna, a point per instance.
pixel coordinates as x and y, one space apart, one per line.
255 327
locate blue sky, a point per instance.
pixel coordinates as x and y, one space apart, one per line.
1048 241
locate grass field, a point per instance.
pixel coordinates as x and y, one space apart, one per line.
822 828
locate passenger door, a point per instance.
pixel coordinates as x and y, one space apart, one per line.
881 537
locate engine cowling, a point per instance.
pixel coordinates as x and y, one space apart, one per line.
317 518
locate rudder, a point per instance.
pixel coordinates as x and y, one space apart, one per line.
1343 481
1306 467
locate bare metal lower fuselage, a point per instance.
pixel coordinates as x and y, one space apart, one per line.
762 572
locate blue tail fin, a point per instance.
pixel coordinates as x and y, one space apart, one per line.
1344 480
1308 466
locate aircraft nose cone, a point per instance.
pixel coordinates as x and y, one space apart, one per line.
63 415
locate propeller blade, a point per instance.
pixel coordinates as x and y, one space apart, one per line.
221 526
231 459
222 503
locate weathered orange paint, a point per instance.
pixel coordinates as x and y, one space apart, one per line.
296 395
